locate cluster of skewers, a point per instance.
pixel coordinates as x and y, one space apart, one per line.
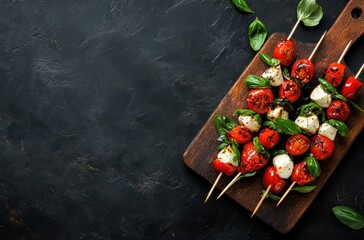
295 147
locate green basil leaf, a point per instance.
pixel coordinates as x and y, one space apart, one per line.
268 60
271 125
242 6
222 145
349 217
310 109
259 147
279 152
339 96
286 73
341 127
247 175
223 124
253 81
237 152
270 195
304 189
356 106
257 34
283 103
313 166
287 126
311 12
244 112
328 87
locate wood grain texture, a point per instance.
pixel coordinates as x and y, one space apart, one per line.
203 149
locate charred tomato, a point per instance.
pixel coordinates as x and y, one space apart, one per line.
290 91
335 73
269 138
302 71
260 100
338 110
297 144
285 52
272 178
321 147
251 159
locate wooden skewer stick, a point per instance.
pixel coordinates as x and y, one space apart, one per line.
344 52
261 201
213 186
286 193
317 46
294 28
229 185
360 70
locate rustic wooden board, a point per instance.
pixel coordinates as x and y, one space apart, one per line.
203 149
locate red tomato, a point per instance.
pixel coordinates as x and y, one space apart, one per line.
338 110
225 168
285 52
260 100
351 87
289 90
301 175
240 134
272 178
302 70
269 138
251 160
297 144
321 147
335 73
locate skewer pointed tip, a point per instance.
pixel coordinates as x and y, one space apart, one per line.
344 52
261 201
286 193
213 186
231 183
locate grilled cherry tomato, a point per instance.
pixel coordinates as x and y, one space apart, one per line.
240 134
225 168
285 52
351 87
335 73
302 71
290 91
260 100
272 178
338 110
251 160
297 144
321 147
269 138
301 175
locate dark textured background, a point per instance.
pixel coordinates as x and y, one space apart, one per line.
98 101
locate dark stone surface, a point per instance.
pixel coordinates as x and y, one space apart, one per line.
99 100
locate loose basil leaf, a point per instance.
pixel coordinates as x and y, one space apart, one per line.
356 106
257 34
287 126
253 81
268 60
313 166
328 87
247 175
279 152
341 127
311 12
247 112
242 6
286 73
236 151
270 195
283 103
349 217
310 109
259 147
271 125
304 189
222 145
223 124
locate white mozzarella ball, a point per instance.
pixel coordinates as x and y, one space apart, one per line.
274 74
328 131
309 124
284 165
249 123
277 112
226 155
319 96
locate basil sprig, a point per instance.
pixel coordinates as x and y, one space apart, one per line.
350 217
311 12
223 124
271 125
259 147
310 109
253 81
304 189
341 127
313 166
270 195
257 34
286 73
242 6
287 126
247 112
268 60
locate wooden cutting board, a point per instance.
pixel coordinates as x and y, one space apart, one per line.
203 149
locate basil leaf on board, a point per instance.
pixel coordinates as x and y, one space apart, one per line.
268 60
259 147
271 125
328 87
287 126
242 6
257 34
247 175
270 195
286 73
223 124
304 189
222 145
311 12
253 81
341 127
356 106
310 109
313 166
349 217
